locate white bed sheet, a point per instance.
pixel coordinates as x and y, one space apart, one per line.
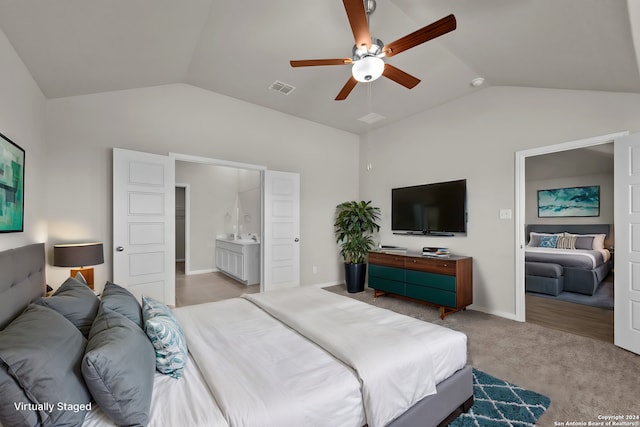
183 402
262 373
395 356
606 255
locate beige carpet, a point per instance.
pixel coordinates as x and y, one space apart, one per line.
584 378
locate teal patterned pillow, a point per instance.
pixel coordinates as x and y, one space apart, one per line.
167 337
152 308
548 241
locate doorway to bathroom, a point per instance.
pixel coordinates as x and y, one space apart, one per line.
221 202
214 204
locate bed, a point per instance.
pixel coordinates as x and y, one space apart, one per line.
569 258
286 358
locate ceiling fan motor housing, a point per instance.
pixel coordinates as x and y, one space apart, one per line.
360 52
369 6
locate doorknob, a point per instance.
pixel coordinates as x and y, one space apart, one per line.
119 249
296 240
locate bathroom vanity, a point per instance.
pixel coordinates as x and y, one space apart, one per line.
239 259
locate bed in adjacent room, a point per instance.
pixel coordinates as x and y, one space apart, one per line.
288 358
569 258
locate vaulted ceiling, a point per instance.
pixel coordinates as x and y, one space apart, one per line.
239 48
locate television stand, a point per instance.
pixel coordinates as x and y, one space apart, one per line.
446 283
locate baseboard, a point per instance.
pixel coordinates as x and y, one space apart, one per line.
326 284
192 272
510 316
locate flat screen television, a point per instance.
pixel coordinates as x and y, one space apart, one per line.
438 208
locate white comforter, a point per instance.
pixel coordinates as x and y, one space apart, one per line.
248 369
391 353
262 373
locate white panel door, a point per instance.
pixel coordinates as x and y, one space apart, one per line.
144 223
281 230
627 241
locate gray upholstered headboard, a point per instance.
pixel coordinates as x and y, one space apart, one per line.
569 228
22 280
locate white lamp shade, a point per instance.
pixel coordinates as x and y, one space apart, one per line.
367 69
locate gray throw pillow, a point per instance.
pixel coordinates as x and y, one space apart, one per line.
40 356
11 392
122 301
75 301
118 368
584 242
80 278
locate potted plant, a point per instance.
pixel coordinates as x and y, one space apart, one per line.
354 227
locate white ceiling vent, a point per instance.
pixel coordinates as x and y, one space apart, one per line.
283 88
372 118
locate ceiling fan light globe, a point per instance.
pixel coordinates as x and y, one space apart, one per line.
367 69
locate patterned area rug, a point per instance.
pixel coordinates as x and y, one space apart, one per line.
499 403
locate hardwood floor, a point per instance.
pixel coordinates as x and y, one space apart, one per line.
574 318
207 287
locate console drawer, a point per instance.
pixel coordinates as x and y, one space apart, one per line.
436 265
386 272
438 281
433 295
381 284
389 260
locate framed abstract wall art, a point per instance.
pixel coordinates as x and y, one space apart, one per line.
11 186
571 201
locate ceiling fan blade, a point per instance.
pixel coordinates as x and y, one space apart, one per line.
399 76
316 62
358 20
346 89
424 34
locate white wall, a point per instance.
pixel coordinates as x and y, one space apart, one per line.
22 111
180 118
476 138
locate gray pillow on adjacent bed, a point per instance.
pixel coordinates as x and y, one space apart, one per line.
118 368
75 301
40 356
122 301
584 242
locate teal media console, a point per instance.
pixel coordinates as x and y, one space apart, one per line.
446 283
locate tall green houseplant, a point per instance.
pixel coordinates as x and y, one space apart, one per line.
355 224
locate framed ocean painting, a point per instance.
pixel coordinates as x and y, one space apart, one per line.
571 201
11 186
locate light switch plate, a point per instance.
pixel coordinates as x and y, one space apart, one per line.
505 213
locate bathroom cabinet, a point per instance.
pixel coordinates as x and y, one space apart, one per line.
239 259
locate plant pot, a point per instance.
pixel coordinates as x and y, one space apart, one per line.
354 275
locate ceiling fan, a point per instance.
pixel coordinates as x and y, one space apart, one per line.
367 62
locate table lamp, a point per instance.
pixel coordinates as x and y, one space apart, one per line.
79 256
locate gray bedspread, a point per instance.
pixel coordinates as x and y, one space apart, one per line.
576 258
